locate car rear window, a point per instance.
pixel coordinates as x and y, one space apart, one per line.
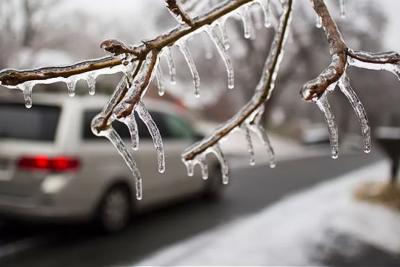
158 117
38 123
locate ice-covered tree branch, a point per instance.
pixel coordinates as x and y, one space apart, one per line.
262 92
140 64
14 77
334 75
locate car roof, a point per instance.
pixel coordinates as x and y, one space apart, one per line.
94 102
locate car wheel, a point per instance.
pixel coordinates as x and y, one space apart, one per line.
214 188
115 209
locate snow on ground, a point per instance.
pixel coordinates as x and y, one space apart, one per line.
293 231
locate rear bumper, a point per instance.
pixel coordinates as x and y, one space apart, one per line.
27 209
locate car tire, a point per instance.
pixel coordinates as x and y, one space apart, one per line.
214 188
115 209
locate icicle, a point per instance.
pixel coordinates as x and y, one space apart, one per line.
91 81
216 149
224 34
250 147
189 167
342 9
117 142
347 90
247 22
265 6
159 77
154 132
27 92
203 165
318 22
324 106
224 55
262 134
71 85
131 124
171 64
192 67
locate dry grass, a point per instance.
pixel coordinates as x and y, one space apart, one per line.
383 193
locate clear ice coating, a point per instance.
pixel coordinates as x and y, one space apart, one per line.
154 132
159 77
71 85
91 81
342 9
192 67
217 151
393 68
262 134
171 64
324 106
218 41
119 145
250 147
27 92
347 90
265 6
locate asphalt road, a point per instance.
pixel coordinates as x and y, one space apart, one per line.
251 189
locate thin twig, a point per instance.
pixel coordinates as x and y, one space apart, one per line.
179 12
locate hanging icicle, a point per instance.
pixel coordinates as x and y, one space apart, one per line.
159 77
347 90
342 9
189 167
250 147
224 55
119 145
224 35
171 64
91 81
192 67
216 149
247 22
201 159
26 89
324 106
265 6
262 134
154 132
71 85
130 122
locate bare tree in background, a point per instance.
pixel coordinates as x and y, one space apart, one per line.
141 64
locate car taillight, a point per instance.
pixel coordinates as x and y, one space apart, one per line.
45 163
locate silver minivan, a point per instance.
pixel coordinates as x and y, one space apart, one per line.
53 167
